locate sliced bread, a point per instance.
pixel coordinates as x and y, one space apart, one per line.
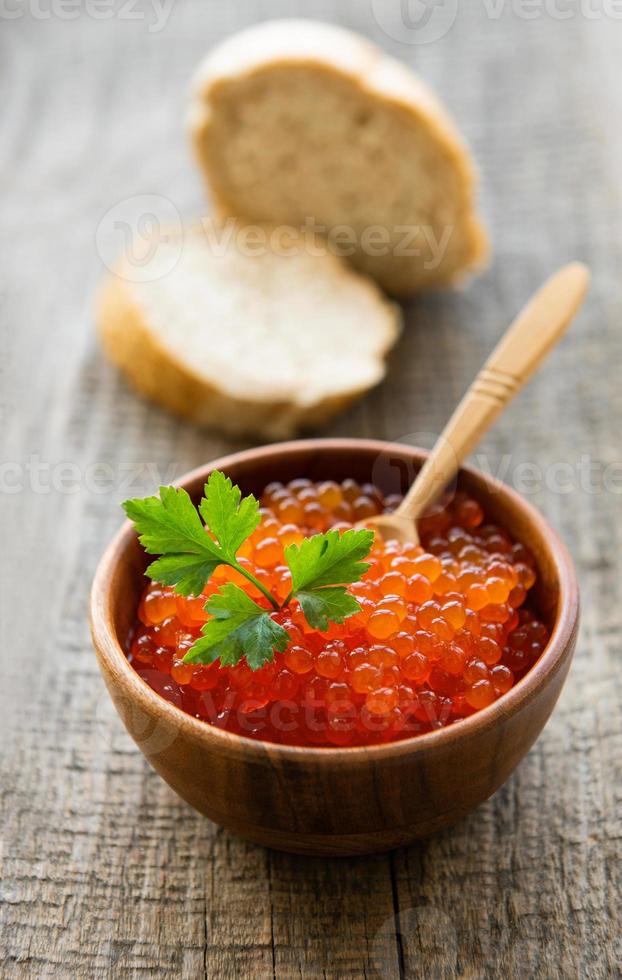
247 330
305 123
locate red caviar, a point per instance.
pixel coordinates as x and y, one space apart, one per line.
442 631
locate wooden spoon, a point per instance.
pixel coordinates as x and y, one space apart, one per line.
528 340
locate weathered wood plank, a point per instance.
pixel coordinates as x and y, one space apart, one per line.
105 873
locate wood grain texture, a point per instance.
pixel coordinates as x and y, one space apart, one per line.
105 873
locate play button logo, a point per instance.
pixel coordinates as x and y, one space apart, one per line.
415 21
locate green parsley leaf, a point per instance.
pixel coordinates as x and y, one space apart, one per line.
187 573
320 566
238 627
230 518
330 604
329 559
169 525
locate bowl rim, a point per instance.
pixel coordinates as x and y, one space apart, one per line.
110 650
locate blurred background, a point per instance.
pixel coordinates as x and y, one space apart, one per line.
105 871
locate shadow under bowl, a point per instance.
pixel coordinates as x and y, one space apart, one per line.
338 801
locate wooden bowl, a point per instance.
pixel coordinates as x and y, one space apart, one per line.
338 801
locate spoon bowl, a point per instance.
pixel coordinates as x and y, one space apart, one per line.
338 801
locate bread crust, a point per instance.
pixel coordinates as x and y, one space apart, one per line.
279 45
157 372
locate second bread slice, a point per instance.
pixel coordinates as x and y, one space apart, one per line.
248 331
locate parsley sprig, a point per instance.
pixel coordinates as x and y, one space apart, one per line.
192 543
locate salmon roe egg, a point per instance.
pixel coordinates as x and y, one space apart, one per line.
444 629
383 623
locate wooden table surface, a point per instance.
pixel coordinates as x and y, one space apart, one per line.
105 872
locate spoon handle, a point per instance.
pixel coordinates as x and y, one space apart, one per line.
523 347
